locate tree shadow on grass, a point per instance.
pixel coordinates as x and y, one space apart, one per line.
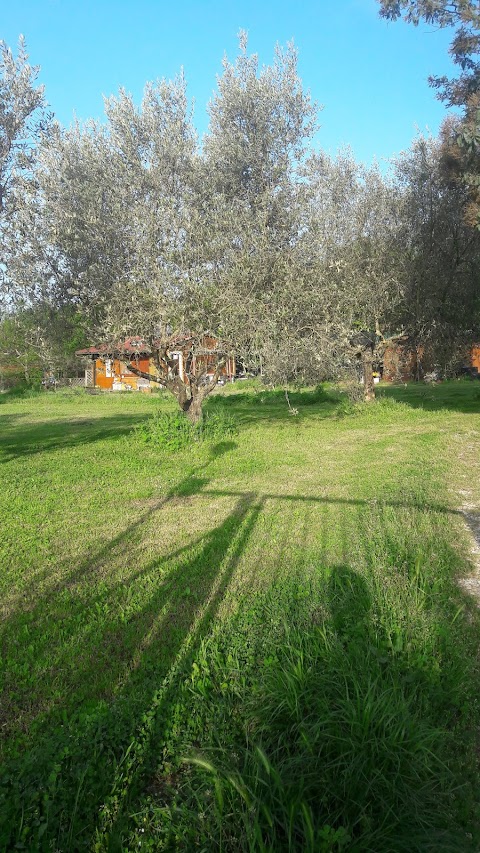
24 441
458 396
6 421
95 758
421 506
270 404
389 716
345 733
67 578
267 404
78 749
472 519
90 742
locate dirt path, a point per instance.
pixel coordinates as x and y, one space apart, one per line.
471 582
468 454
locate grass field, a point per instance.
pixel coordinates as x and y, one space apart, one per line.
253 643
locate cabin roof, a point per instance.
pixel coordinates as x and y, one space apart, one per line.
130 346
138 346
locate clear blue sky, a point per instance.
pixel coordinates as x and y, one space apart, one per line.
370 75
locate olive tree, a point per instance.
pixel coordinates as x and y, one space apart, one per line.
351 223
23 119
461 134
261 123
441 257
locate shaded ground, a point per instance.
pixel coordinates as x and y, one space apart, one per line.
112 587
460 396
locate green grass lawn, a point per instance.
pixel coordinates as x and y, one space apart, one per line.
253 643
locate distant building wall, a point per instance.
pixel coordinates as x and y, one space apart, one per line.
403 362
111 374
475 356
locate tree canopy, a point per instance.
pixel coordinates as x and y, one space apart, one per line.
286 256
461 135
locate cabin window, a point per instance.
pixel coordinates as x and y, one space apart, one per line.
108 368
177 370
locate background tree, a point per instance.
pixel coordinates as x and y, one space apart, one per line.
300 265
261 122
441 256
19 361
23 119
461 136
350 238
101 219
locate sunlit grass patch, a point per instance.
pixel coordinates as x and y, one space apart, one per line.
154 602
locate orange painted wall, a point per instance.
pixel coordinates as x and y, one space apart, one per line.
101 378
475 356
119 373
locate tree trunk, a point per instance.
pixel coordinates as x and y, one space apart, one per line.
198 395
194 411
189 398
368 383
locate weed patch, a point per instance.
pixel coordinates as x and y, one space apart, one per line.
171 431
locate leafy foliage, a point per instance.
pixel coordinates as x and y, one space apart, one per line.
283 256
22 120
461 137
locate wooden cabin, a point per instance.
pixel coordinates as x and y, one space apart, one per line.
405 362
109 367
205 358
